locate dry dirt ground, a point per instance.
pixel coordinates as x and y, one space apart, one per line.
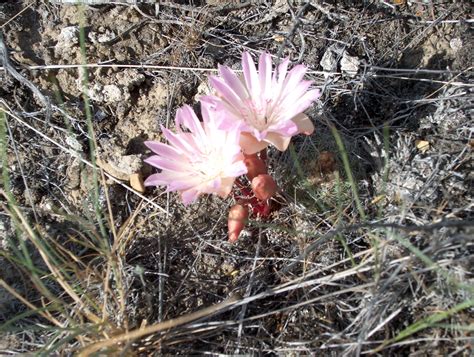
367 242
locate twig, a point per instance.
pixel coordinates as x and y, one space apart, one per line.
16 15
7 66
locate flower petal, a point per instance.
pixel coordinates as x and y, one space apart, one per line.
265 74
304 124
294 77
233 81
250 145
278 141
226 186
154 180
186 116
177 140
164 164
285 128
225 92
189 196
250 75
163 149
282 70
307 100
236 169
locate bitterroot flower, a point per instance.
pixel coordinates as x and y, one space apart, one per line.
268 106
202 158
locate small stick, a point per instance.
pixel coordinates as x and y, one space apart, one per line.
5 60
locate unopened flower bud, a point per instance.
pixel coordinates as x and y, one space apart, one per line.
264 187
255 166
238 214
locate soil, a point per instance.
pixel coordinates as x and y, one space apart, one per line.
413 76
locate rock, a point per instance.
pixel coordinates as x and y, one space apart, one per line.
73 174
109 93
129 78
136 181
455 44
113 94
95 92
329 61
203 89
350 64
73 143
102 37
335 53
121 167
330 58
68 38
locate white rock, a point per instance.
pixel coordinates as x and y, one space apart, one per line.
112 93
455 44
96 92
203 89
73 143
350 64
330 58
107 36
129 78
329 61
68 36
121 167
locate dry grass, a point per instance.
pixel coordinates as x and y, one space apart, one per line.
371 257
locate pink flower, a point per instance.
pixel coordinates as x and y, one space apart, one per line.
268 106
200 159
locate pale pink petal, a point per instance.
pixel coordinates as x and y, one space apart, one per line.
230 122
236 169
285 128
212 100
226 186
170 176
306 101
186 116
294 76
154 180
225 91
279 141
265 74
259 135
250 75
282 70
304 124
163 149
198 161
164 164
211 186
250 145
177 140
290 95
189 196
233 81
208 107
183 183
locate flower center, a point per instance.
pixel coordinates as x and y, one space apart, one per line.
210 165
257 114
